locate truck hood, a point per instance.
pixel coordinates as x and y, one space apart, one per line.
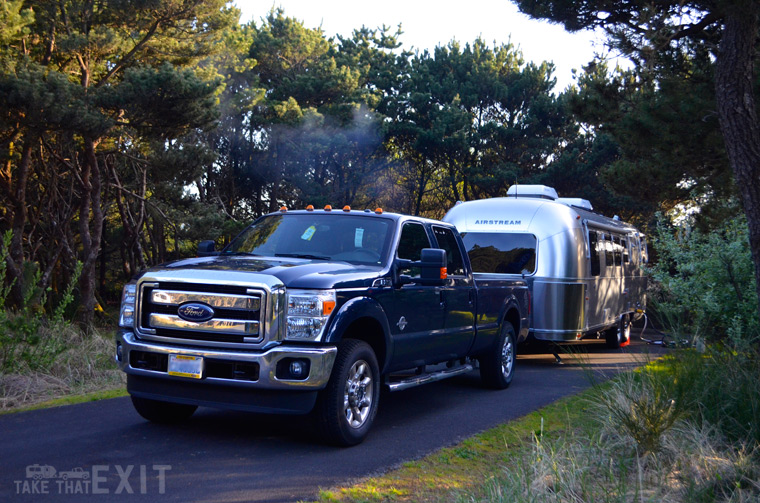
292 272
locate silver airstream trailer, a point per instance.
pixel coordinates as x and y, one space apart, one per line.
583 269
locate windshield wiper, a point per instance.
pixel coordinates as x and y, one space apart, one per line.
302 255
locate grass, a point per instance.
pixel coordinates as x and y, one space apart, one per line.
681 429
70 400
466 470
78 367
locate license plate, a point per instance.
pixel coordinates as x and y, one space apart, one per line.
186 366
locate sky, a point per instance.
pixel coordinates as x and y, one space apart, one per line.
427 24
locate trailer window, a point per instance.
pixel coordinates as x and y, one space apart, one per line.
609 256
501 252
617 248
644 251
594 244
626 247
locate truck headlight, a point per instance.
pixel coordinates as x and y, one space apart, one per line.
307 313
128 303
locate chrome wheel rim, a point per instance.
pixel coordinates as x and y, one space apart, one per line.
358 394
507 357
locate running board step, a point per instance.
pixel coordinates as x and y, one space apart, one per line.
431 377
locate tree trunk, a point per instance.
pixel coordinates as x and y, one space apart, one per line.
18 198
90 228
738 116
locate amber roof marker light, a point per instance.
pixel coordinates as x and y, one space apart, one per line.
283 209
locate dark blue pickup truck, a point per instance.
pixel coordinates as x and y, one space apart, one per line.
312 312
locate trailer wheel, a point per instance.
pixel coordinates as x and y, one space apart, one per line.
497 367
162 412
620 335
347 407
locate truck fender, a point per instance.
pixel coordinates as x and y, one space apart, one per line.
367 309
520 324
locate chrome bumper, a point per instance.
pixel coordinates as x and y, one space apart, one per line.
321 361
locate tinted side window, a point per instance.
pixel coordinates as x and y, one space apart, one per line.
596 263
447 241
413 240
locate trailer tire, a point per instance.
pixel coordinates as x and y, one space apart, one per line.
347 407
620 335
157 411
497 366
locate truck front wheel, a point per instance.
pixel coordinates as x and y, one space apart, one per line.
347 407
162 412
498 365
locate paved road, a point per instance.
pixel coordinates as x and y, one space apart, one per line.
231 456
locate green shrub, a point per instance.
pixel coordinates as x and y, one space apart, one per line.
704 284
28 334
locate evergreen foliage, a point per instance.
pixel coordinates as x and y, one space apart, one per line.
129 131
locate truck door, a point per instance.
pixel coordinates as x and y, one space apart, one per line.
416 312
459 297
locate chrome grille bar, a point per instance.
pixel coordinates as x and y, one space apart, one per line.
237 327
223 301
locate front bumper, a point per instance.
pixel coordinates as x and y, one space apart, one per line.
320 361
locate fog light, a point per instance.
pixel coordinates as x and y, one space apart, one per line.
118 352
297 368
293 369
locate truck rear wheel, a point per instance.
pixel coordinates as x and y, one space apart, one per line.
162 412
619 335
497 367
347 407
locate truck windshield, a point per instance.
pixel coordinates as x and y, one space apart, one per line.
347 238
501 252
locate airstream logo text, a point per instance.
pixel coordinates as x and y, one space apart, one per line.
498 222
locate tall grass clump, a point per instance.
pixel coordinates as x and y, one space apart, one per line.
42 354
654 435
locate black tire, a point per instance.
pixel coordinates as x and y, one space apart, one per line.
347 407
497 367
162 412
619 335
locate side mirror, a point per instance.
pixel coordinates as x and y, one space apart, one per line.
207 248
433 270
432 265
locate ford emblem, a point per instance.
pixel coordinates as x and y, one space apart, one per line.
195 311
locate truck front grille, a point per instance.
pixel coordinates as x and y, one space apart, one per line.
230 314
